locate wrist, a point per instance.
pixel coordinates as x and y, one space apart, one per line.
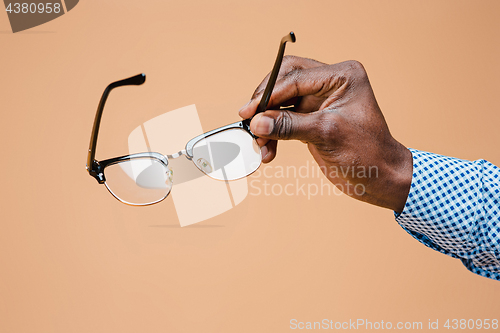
392 184
401 177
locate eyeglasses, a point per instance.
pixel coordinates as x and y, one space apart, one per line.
227 153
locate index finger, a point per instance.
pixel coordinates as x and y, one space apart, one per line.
290 63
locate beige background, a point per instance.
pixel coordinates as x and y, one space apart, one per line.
73 259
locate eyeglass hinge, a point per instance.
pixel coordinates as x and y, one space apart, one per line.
96 172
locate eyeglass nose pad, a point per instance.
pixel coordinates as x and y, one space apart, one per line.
204 165
170 177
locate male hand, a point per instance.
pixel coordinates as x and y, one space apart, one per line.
336 114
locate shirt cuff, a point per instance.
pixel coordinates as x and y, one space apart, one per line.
444 209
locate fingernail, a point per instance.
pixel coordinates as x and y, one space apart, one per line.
264 126
263 151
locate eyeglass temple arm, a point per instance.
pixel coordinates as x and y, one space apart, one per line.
131 81
274 74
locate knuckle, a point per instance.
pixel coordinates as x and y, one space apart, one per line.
284 126
356 69
355 65
288 59
291 63
293 78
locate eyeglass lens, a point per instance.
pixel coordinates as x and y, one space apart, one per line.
227 155
139 181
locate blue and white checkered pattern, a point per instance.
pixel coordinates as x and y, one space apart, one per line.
454 207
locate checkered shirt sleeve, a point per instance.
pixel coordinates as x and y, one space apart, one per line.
454 207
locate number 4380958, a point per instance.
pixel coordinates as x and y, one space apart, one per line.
478 324
33 8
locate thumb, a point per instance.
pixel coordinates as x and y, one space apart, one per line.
287 125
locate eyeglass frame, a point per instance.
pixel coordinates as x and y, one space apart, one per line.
96 168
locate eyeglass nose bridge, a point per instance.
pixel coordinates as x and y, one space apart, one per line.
179 154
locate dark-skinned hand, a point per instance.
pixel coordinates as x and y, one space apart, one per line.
336 114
